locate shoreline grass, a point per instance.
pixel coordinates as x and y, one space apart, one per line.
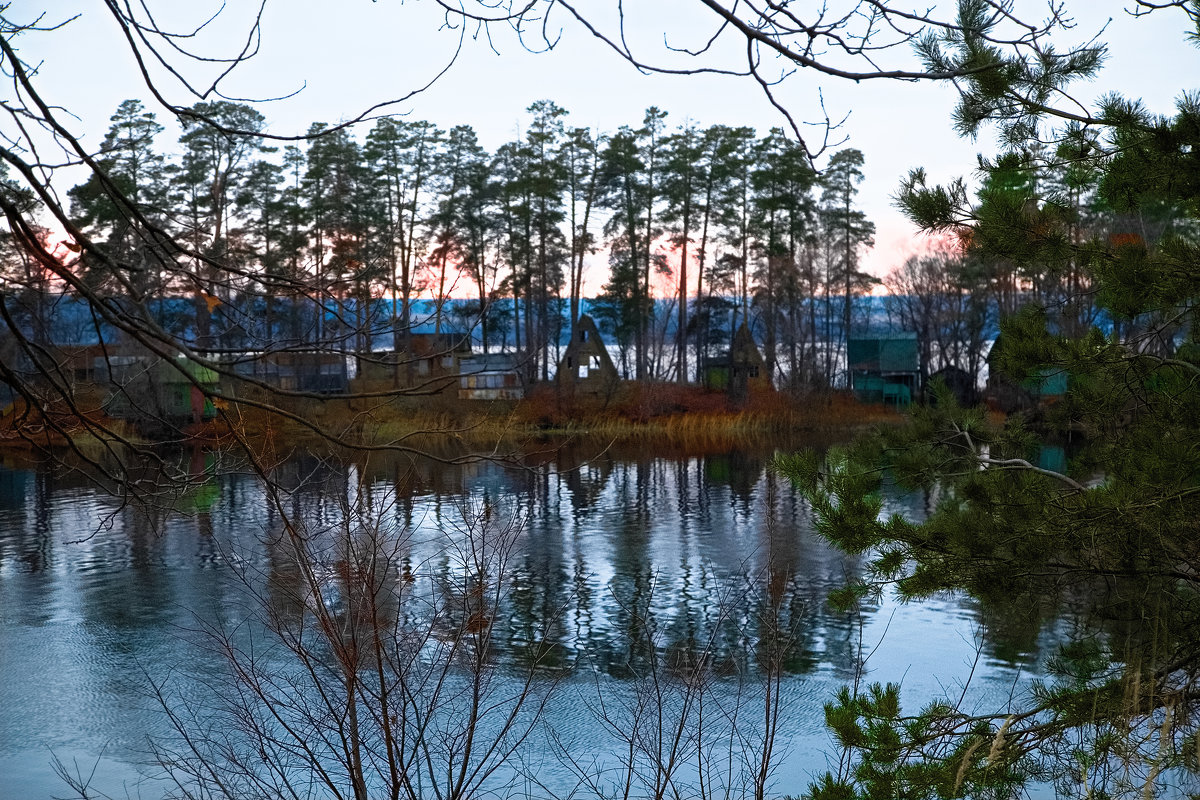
683 418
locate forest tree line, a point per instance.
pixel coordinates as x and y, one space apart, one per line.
702 229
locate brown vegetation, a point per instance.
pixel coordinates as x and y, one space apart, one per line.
684 418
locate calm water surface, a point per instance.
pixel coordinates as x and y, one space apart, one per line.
98 600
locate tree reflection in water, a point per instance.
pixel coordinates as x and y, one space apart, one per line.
612 626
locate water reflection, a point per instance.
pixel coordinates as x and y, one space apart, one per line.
626 564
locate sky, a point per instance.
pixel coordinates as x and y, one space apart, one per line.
336 65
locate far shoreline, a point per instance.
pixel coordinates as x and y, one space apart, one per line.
684 419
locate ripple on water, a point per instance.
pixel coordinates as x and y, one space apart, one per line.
29 774
84 615
72 689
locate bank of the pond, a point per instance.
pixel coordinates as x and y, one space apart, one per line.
686 418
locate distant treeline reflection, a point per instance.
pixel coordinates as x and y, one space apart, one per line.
621 565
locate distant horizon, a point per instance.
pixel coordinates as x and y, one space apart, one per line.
423 317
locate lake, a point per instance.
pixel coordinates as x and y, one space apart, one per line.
616 584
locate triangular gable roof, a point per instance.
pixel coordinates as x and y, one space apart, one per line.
586 362
586 339
742 349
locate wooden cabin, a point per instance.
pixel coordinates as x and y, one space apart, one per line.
433 361
739 371
495 376
586 367
885 369
959 382
316 371
1043 386
80 366
152 390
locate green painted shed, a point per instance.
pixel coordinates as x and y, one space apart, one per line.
885 369
149 389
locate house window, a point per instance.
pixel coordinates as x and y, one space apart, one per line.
583 335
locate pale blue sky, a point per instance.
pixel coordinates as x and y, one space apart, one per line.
368 52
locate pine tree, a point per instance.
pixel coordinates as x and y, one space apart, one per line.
122 206
335 183
1115 530
459 155
480 237
784 216
684 180
735 214
580 153
546 178
626 297
516 222
219 141
401 157
719 141
848 230
267 236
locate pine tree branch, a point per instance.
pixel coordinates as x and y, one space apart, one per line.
1018 462
1023 464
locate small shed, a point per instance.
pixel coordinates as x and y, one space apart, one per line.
318 371
1038 387
740 370
884 369
959 382
1047 385
433 357
586 365
494 376
82 366
153 390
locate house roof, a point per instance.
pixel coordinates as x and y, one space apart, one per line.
895 352
586 339
492 362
